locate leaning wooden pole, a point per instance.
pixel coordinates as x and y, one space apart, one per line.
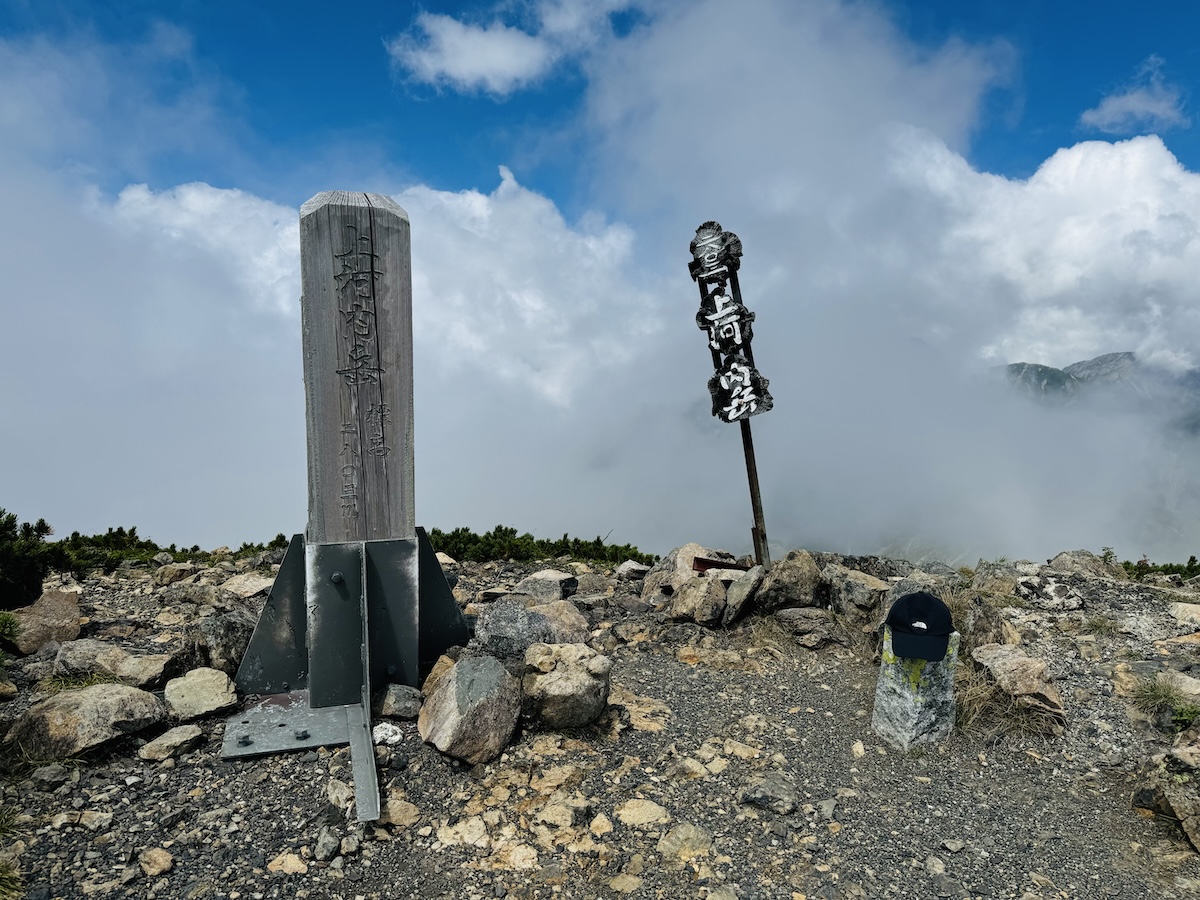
758 531
738 389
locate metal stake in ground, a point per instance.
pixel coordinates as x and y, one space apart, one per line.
738 389
360 600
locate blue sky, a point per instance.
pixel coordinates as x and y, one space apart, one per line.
925 190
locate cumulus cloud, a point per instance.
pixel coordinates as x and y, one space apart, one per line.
256 241
1091 254
1150 103
495 57
503 284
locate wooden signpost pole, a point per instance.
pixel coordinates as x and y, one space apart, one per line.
738 389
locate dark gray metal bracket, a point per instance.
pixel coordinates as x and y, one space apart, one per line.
340 622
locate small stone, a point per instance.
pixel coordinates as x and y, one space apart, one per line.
155 861
398 811
774 791
954 846
639 813
340 794
171 743
199 692
934 866
327 845
858 749
95 821
626 884
397 701
387 734
684 842
601 825
288 864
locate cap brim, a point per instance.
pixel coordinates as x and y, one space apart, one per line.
930 647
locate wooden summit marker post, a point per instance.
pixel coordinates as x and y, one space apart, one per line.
356 308
360 600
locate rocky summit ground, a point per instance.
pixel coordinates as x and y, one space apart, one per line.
731 761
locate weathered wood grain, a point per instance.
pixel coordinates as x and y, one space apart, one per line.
356 313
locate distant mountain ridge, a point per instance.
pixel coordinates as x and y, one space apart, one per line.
1113 378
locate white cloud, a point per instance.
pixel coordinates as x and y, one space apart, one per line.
257 242
1094 253
1149 104
496 57
502 284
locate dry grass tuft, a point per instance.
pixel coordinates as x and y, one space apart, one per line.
11 884
983 708
57 684
767 633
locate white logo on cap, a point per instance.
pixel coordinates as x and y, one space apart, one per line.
920 625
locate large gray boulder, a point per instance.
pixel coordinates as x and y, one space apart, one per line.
565 685
221 638
1169 783
792 582
507 628
741 592
856 596
1025 679
567 624
630 570
548 585
1001 577
87 656
1051 591
73 721
812 628
248 584
1083 562
173 572
700 600
54 617
472 709
674 570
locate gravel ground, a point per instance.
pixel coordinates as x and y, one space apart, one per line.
723 768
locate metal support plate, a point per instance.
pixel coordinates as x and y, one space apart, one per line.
276 659
392 607
336 623
284 722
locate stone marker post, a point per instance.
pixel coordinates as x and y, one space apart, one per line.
360 600
914 698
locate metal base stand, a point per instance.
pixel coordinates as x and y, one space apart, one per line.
340 622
